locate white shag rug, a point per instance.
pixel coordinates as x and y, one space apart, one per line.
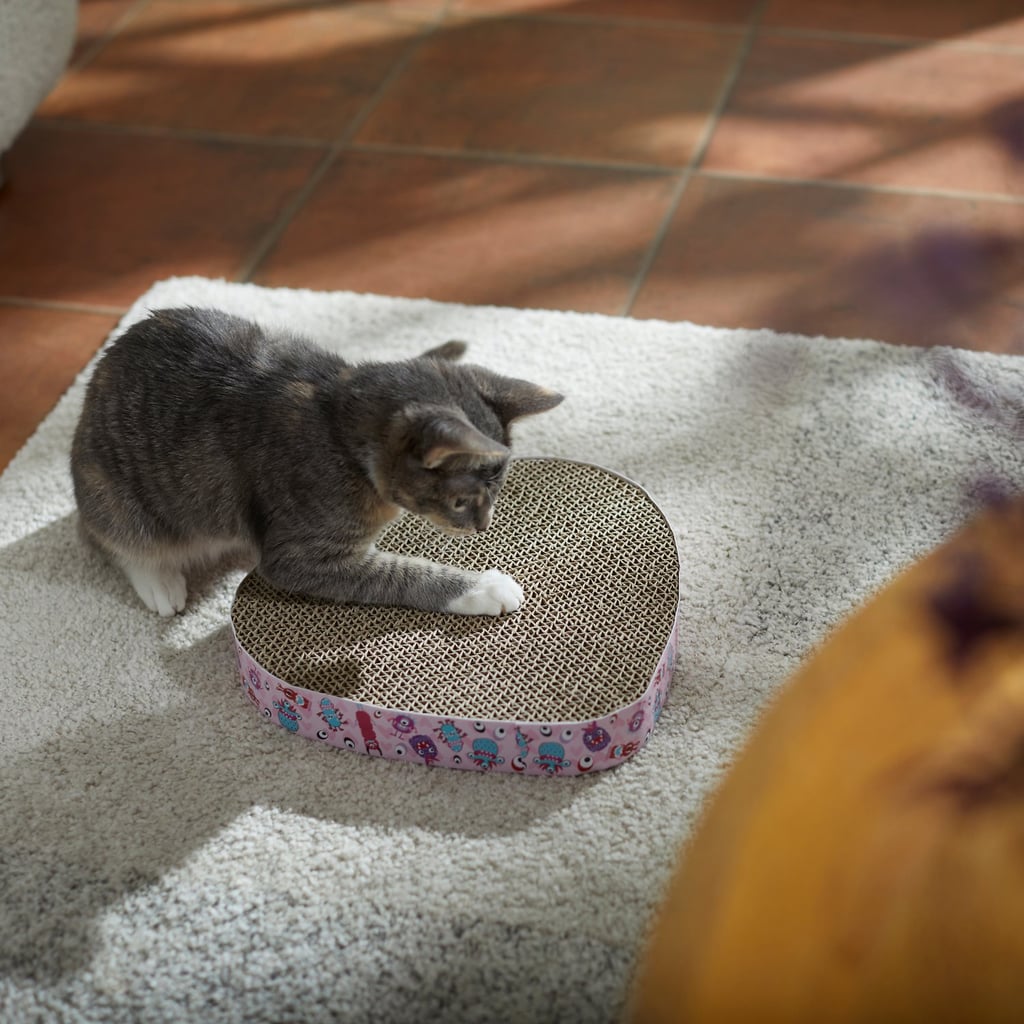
166 855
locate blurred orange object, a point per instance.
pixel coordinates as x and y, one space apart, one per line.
864 858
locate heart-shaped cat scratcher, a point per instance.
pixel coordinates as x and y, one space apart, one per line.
572 682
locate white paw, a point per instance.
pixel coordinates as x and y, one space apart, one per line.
162 590
494 593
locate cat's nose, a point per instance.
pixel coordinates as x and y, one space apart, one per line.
483 520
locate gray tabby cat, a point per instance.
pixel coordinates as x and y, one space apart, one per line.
203 434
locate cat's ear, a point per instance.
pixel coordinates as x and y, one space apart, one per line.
450 351
451 436
441 434
512 399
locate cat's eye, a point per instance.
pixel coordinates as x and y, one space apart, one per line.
459 504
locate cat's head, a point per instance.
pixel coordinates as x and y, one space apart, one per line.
448 447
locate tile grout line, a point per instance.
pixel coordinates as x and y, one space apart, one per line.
69 124
608 21
126 18
896 42
65 124
302 197
660 234
510 157
728 28
742 52
966 195
62 306
285 217
397 70
504 156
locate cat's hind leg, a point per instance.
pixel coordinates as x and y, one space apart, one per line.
156 570
162 588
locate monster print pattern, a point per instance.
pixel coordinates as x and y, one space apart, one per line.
528 748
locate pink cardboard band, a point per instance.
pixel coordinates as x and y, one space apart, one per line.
525 748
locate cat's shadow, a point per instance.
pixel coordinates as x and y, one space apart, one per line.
218 582
130 782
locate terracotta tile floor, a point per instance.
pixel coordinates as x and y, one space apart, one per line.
834 167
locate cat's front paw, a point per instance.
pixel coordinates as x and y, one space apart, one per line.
493 593
162 591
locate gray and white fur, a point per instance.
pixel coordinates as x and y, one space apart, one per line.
203 434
